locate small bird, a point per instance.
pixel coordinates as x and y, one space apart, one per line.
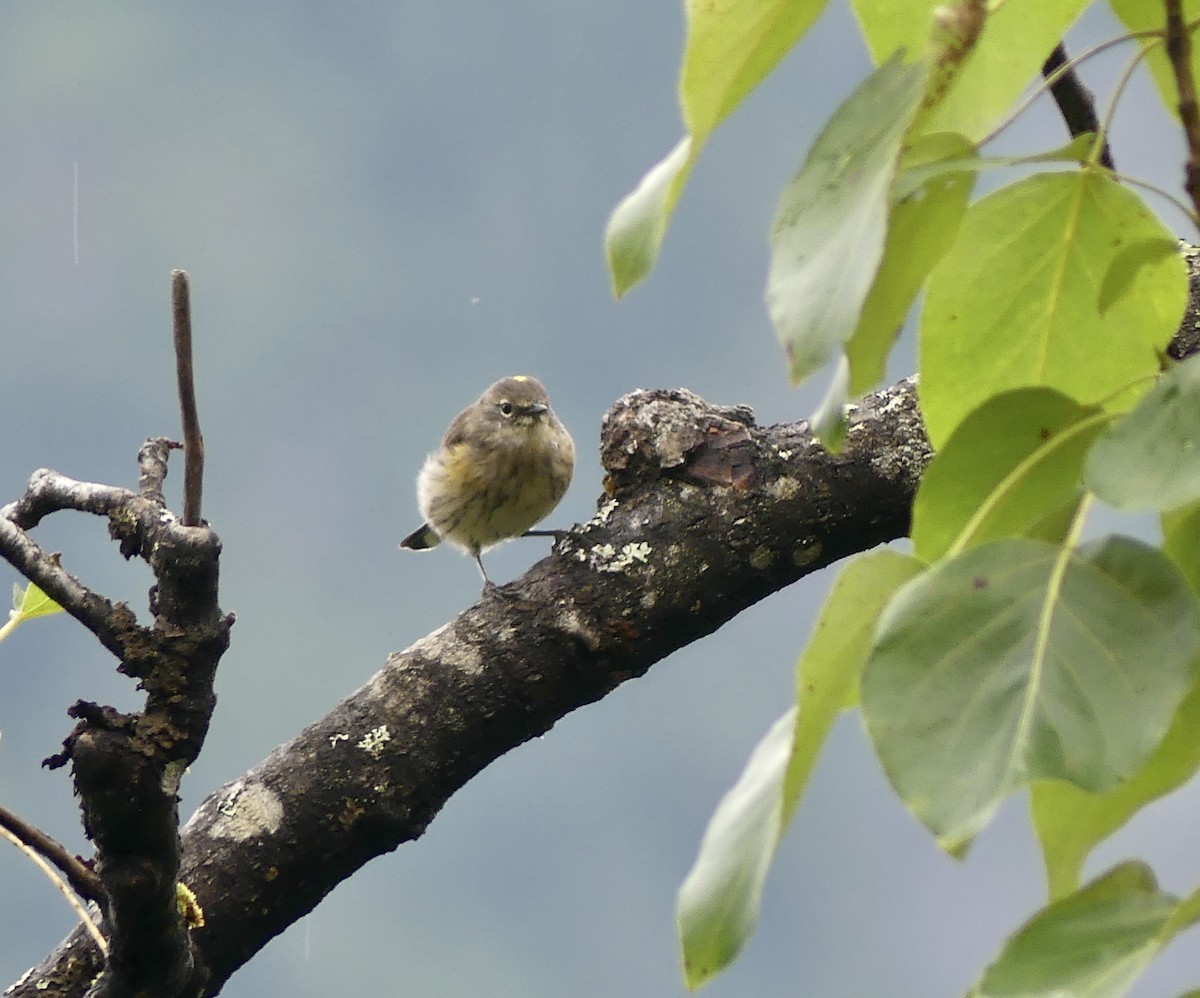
504 464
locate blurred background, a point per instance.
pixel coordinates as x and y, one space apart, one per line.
383 208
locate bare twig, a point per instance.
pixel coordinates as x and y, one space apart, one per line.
57 881
1179 52
1075 102
84 881
193 442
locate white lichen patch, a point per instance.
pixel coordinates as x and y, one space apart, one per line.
247 810
784 487
341 736
172 774
374 740
605 511
786 455
606 558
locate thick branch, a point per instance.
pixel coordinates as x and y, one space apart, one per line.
709 513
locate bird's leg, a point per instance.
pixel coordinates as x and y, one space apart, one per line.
489 587
558 535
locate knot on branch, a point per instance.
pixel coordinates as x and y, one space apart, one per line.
648 435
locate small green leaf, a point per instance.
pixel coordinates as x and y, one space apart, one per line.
828 421
35 603
27 603
831 225
638 224
1091 944
1004 313
1150 459
1012 462
1019 661
719 901
1071 822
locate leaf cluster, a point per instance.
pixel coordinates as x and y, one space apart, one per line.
1006 651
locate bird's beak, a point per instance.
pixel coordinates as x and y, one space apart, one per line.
537 409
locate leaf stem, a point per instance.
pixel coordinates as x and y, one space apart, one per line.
1062 71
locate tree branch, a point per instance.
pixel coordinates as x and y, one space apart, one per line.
127 767
84 882
708 513
1075 102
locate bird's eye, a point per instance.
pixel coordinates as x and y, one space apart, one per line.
506 408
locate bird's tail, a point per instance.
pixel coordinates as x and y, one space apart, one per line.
421 539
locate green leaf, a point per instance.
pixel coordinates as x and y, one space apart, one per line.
828 673
35 603
1016 301
1092 944
1071 822
720 899
1018 661
638 224
27 603
828 421
1007 57
1012 462
831 225
921 229
1150 459
732 45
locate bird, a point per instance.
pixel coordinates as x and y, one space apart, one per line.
502 467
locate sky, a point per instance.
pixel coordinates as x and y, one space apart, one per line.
383 208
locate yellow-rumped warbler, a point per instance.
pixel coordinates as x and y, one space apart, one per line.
504 464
